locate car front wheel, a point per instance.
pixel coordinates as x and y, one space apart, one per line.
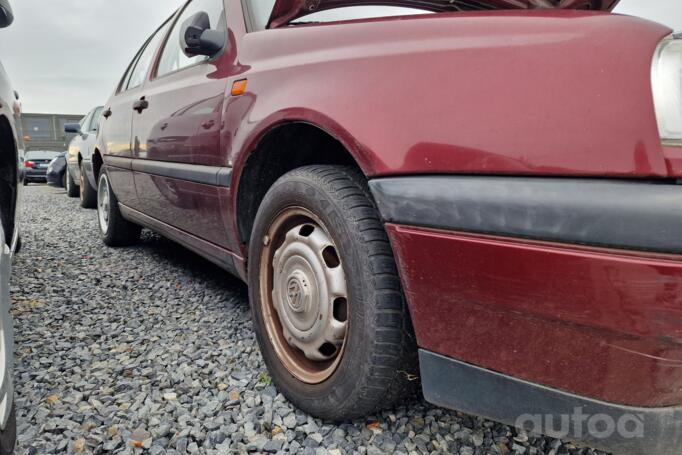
326 299
114 229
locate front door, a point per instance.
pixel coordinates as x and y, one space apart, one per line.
176 138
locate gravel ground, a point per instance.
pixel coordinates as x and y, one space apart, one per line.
150 350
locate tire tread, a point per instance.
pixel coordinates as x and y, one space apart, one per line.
393 349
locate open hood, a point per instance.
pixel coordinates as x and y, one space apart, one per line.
285 11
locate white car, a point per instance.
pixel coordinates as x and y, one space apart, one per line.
9 241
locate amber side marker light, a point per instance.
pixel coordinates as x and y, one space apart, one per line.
239 87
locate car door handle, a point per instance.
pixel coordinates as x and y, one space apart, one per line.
106 114
140 105
208 124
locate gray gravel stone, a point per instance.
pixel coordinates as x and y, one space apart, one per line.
153 346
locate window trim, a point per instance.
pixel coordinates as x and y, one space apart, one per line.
154 75
128 72
94 118
249 19
125 80
85 120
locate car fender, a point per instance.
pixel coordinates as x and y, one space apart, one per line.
505 92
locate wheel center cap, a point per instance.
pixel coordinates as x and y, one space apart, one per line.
298 292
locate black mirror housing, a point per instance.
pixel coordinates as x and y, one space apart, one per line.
197 37
72 128
6 14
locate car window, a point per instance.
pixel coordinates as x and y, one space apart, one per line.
260 11
358 12
126 77
85 121
94 119
173 58
146 58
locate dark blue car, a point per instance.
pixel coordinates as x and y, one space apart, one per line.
56 171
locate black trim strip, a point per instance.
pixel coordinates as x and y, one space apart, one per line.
118 161
611 213
207 175
457 385
225 176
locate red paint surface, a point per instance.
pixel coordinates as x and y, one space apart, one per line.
563 93
551 92
597 323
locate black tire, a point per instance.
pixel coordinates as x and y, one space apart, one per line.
24 182
8 436
118 231
88 194
70 185
378 364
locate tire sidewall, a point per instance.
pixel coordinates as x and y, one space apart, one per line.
105 234
82 182
331 397
8 436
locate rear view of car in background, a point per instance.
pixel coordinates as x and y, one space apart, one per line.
34 167
10 111
56 171
80 179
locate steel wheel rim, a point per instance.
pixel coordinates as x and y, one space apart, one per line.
103 201
304 296
81 188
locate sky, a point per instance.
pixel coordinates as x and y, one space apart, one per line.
65 56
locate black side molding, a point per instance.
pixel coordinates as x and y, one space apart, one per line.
117 161
626 214
208 175
638 431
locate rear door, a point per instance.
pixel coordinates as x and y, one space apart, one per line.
116 123
176 139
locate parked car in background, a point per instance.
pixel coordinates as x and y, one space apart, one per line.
34 167
442 186
80 180
56 171
10 110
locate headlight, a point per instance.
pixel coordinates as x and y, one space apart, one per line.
667 86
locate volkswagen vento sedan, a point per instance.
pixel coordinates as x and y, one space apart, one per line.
486 196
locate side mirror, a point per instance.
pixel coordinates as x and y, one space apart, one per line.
6 14
197 38
72 128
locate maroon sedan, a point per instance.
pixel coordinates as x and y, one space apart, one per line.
484 194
